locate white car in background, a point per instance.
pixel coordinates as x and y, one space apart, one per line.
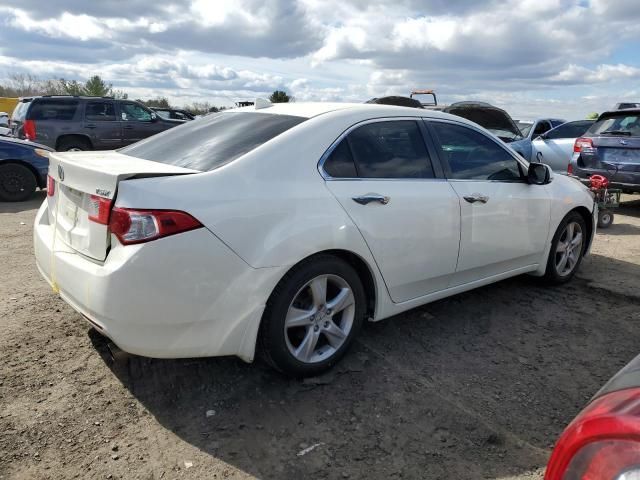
286 226
555 147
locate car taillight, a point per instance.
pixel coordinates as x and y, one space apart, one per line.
138 226
99 209
29 129
583 145
51 186
603 442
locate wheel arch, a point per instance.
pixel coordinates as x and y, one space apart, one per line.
39 181
588 221
69 136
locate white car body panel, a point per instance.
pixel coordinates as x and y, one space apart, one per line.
202 293
556 153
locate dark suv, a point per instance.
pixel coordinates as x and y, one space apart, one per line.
85 123
611 147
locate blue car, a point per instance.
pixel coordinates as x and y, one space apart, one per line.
23 168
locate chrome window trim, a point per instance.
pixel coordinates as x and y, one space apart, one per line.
342 136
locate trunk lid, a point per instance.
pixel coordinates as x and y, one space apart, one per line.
616 154
83 179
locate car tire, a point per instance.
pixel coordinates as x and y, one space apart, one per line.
605 218
17 182
566 252
300 335
73 144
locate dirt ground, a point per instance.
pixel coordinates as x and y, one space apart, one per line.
474 386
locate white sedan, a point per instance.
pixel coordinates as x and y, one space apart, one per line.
281 228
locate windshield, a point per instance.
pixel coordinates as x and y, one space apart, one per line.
213 141
624 125
505 135
525 127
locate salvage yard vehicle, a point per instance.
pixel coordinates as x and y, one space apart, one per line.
497 121
603 441
611 148
23 168
286 226
555 147
532 129
75 123
174 114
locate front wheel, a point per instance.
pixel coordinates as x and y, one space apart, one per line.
17 183
312 316
567 249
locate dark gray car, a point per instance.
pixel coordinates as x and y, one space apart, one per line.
611 147
85 123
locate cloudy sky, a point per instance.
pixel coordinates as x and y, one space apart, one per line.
533 57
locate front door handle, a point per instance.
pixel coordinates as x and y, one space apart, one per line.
127 127
476 197
371 197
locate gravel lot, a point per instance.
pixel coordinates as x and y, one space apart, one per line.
475 386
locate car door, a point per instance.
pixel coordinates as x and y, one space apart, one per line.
385 178
504 220
555 147
102 125
138 122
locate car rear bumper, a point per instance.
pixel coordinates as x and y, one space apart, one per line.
187 295
628 181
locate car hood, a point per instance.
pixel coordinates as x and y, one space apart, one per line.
485 115
25 143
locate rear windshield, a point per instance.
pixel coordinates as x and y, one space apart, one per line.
617 125
19 111
53 109
212 141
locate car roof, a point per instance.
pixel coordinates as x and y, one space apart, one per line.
313 109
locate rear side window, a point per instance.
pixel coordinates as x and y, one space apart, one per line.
100 111
569 130
392 149
53 109
212 141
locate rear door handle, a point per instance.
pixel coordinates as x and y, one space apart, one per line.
128 127
90 125
372 197
476 197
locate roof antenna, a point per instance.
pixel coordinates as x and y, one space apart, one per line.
262 103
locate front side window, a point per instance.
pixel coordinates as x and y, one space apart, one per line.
213 141
471 155
391 149
131 111
569 130
100 111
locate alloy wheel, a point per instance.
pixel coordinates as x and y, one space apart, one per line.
319 319
569 249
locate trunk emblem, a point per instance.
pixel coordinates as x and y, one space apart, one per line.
60 173
624 142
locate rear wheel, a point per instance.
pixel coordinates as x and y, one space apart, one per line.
605 218
17 182
567 248
312 316
73 144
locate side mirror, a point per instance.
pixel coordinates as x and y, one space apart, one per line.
539 174
154 117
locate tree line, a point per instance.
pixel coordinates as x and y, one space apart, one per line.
25 85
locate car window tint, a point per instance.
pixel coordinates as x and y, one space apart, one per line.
131 111
340 163
213 141
393 149
53 109
19 111
541 128
472 155
569 130
100 111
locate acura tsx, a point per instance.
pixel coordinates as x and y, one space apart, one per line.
282 228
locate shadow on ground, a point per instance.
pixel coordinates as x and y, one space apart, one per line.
475 386
16 207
